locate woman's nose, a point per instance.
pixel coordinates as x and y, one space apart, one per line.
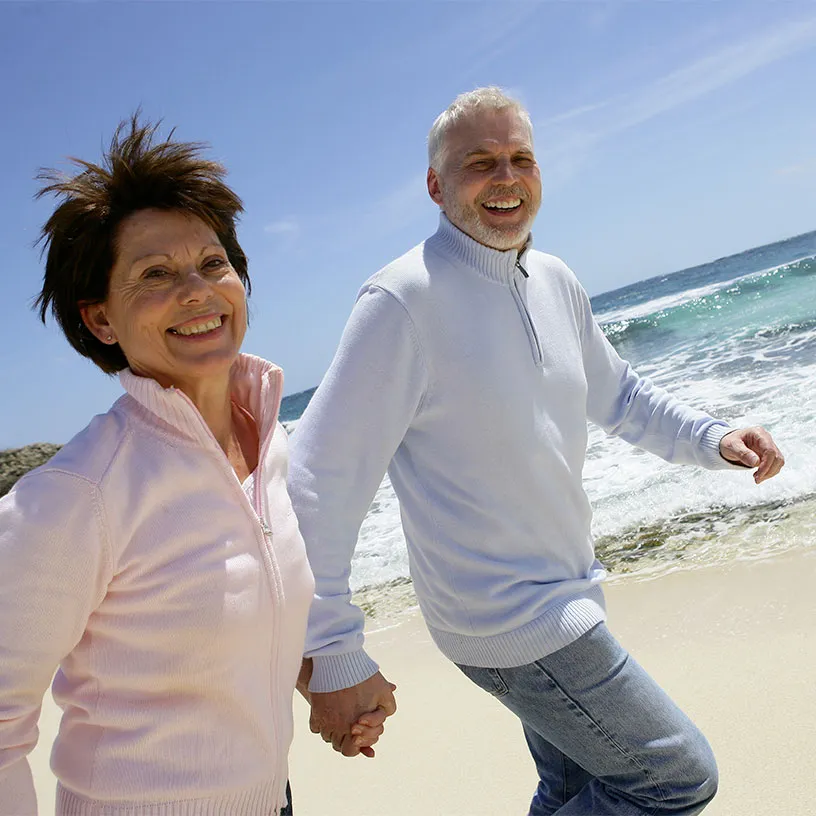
194 288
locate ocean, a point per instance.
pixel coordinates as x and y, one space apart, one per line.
736 338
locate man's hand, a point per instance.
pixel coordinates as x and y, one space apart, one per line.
335 713
754 448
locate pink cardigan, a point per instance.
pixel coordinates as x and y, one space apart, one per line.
173 606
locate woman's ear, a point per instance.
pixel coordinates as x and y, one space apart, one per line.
95 318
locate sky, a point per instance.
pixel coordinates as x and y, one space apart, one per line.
668 133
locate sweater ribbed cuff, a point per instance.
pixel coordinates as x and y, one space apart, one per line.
710 447
335 672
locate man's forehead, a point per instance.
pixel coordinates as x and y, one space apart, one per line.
488 131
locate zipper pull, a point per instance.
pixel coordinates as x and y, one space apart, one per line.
523 270
265 527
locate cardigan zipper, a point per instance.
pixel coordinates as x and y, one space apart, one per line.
529 326
273 575
277 582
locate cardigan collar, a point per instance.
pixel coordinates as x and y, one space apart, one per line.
255 384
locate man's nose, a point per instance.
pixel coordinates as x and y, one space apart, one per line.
504 171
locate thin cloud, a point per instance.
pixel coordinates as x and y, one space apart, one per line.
402 205
567 139
713 72
574 113
806 168
403 200
285 226
601 15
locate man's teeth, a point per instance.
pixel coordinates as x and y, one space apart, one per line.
200 328
503 205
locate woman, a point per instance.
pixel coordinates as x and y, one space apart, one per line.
155 560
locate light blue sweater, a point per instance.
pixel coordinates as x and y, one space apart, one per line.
469 374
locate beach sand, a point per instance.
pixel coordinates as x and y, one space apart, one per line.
734 646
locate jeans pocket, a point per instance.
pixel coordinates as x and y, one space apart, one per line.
490 680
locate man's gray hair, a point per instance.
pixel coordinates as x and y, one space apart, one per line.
490 98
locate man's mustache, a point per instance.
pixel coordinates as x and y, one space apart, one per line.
514 190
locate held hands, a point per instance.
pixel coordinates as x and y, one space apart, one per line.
754 448
352 719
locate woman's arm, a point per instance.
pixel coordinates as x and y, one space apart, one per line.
55 569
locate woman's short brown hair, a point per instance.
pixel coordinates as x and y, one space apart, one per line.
79 239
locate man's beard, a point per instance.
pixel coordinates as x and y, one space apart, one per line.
466 218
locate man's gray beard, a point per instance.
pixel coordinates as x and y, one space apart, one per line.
467 220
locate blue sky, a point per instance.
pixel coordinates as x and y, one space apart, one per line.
668 133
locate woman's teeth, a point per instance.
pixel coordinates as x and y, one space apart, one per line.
200 328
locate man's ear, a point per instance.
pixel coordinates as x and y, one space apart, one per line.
434 187
95 318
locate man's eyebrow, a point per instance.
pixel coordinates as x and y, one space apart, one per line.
478 151
486 151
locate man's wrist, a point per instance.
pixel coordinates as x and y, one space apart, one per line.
336 672
710 444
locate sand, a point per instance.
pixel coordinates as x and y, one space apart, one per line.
733 645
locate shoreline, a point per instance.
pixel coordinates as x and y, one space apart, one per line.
768 531
731 643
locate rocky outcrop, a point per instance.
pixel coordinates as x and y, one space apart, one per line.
16 462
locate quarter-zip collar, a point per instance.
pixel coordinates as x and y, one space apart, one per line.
495 265
255 384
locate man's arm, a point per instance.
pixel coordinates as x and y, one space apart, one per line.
640 412
340 451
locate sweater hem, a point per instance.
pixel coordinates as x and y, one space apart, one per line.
263 800
559 625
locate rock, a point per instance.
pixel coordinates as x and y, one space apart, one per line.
16 462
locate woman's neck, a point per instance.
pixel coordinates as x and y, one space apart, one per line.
213 402
233 427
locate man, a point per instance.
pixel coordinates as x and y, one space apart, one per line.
468 368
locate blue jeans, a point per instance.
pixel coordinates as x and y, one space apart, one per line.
606 739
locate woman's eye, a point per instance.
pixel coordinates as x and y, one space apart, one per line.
215 263
155 272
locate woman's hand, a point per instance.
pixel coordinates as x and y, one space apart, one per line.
304 677
367 730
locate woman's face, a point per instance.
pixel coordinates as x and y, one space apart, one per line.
175 305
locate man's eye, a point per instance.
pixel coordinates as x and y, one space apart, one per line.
483 164
524 161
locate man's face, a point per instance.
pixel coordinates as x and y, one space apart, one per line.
488 184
